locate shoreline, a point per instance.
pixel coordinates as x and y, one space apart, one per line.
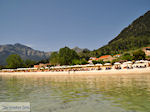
78 73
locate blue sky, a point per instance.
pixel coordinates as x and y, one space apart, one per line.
48 25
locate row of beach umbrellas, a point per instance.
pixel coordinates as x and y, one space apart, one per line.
87 65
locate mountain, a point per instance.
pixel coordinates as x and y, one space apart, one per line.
24 51
78 50
135 36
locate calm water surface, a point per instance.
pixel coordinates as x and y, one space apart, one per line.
117 93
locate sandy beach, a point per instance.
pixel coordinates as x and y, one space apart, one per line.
94 72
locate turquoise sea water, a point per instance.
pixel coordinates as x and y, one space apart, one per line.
117 93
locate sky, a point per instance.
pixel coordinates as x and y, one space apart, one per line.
49 25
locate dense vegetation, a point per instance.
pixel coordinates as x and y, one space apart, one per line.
66 56
133 56
135 36
15 61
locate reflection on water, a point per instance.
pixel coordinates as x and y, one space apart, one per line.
117 93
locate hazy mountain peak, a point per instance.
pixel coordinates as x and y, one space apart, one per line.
77 49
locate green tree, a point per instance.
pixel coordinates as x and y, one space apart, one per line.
138 55
83 61
76 62
66 55
115 60
86 51
79 61
101 61
1 67
43 61
94 62
107 62
29 63
127 56
14 61
85 54
54 58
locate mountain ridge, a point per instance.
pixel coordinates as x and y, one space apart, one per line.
78 50
140 23
24 51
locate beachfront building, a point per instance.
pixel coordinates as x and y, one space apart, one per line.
106 58
92 59
117 55
146 50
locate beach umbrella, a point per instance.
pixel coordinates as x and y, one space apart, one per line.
60 66
129 62
51 67
68 66
146 61
137 62
107 64
23 68
55 67
98 64
33 68
117 63
77 65
82 65
64 66
124 63
72 66
91 65
46 68
9 69
88 65
142 61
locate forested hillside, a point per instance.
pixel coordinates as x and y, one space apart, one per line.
135 36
